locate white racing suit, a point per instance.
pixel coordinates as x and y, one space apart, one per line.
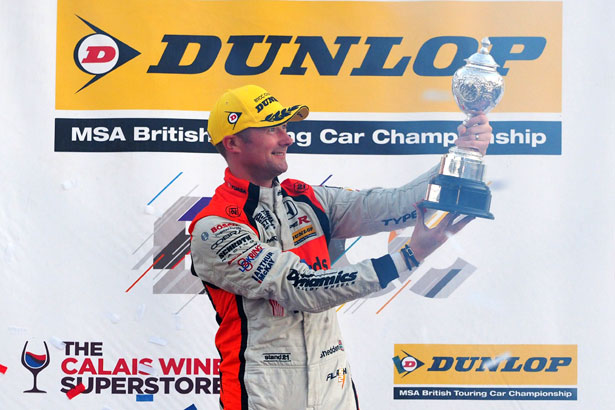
263 257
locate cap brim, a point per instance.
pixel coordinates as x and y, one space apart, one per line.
301 114
298 114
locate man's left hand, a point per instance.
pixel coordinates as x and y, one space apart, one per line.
475 133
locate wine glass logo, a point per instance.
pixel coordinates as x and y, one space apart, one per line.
35 363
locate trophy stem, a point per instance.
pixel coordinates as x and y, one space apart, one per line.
467 152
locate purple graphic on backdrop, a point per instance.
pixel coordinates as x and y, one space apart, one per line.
171 246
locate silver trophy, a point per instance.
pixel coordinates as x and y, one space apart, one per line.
459 186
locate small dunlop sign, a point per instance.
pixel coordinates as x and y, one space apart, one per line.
511 365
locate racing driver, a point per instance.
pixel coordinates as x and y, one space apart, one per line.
261 248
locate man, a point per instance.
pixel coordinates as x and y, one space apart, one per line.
261 249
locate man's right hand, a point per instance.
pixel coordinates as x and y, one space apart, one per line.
425 240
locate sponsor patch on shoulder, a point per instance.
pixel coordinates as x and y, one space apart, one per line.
233 211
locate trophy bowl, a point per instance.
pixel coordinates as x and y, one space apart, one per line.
477 86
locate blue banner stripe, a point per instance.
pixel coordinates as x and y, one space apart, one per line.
483 393
311 137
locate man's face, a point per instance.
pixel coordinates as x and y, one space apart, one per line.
263 152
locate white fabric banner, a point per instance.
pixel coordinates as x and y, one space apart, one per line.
96 288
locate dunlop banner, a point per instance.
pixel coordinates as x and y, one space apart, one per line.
170 60
448 370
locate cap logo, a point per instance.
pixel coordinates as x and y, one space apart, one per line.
264 103
280 115
233 117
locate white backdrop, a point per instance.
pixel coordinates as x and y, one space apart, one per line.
73 227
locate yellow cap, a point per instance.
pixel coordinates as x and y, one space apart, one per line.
249 106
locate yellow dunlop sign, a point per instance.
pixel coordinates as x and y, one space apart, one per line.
511 365
331 56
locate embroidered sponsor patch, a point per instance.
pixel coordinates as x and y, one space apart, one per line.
339 375
276 308
219 227
300 187
224 235
401 219
233 211
338 347
291 209
276 357
245 264
263 268
303 234
265 218
325 280
236 244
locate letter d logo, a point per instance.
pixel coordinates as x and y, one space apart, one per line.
100 53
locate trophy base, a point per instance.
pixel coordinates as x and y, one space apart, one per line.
459 195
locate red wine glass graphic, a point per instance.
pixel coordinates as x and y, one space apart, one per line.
35 363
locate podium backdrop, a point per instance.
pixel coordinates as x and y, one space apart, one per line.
105 160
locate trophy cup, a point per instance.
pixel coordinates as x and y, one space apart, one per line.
459 187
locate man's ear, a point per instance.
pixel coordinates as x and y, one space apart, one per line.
232 143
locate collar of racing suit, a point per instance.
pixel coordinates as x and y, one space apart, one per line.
236 192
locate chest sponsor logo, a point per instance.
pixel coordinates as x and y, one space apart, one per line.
337 348
300 221
276 357
304 234
325 280
265 219
339 375
245 264
263 268
291 209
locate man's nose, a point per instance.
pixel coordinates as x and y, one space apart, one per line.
285 139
